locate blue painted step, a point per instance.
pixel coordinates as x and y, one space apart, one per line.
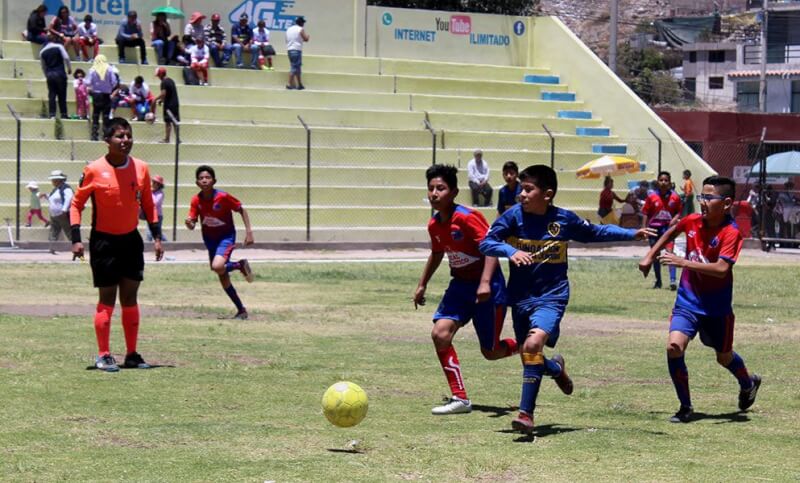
574 114
593 131
558 96
610 148
541 79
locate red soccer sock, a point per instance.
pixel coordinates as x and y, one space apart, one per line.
511 346
452 371
102 327
130 324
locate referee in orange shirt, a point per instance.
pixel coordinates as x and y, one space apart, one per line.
118 185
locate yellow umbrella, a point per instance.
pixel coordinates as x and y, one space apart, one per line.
607 166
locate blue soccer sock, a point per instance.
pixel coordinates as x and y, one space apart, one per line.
680 379
739 371
551 368
533 368
234 297
672 273
231 266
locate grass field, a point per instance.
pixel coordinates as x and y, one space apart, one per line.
240 400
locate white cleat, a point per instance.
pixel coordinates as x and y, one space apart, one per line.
453 405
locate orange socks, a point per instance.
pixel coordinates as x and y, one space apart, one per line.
130 324
102 327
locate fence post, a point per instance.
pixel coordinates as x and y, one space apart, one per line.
659 148
308 177
19 164
177 125
433 142
762 181
552 147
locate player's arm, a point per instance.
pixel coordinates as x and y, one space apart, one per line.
646 212
586 232
717 269
194 208
248 231
85 190
647 261
484 292
434 259
494 243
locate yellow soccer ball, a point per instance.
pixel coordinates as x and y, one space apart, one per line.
345 404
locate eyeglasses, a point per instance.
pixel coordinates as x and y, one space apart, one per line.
703 197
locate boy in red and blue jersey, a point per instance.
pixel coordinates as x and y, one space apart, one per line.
534 235
215 210
661 210
476 291
704 302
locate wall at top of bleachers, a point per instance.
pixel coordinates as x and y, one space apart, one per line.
333 31
451 36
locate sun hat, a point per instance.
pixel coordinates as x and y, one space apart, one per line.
32 185
196 16
57 174
158 179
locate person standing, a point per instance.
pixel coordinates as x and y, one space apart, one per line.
118 185
130 35
59 201
687 198
478 172
53 58
169 99
102 82
295 36
661 210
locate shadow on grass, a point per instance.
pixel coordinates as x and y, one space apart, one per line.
539 432
122 368
348 451
496 411
732 417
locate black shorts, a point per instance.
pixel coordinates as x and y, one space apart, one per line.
114 257
175 112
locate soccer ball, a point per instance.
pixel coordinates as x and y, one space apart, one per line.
150 118
345 404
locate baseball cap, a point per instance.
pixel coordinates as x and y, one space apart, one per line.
243 16
215 16
32 185
300 20
161 71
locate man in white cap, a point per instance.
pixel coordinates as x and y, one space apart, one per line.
478 171
59 199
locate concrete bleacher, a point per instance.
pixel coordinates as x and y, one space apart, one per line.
370 142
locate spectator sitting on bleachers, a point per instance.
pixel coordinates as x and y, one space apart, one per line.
261 47
130 35
140 95
242 39
66 28
195 28
182 55
216 41
36 30
162 39
87 37
200 54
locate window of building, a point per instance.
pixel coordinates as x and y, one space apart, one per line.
716 82
692 57
795 96
689 88
716 56
747 96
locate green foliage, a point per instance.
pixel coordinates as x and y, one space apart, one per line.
646 72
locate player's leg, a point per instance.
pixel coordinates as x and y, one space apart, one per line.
682 328
446 322
673 270
717 332
488 318
532 372
656 263
129 265
221 264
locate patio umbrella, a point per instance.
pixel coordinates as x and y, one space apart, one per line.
607 166
169 11
780 164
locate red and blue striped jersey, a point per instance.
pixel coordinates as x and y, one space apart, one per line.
459 238
216 214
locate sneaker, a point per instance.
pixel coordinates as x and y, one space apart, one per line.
454 405
291 88
122 60
27 225
270 68
673 286
563 380
748 397
144 62
244 266
523 423
301 87
106 363
684 415
657 285
134 361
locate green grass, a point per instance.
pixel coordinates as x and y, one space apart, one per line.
242 402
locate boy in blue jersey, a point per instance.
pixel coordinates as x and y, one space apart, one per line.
705 295
533 235
509 194
215 210
476 291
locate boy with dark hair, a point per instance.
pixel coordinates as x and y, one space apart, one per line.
661 210
534 234
215 210
476 291
509 194
704 301
119 186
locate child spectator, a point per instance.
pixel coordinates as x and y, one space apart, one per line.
158 200
36 30
534 235
296 35
87 37
261 47
704 301
605 209
36 204
81 87
687 198
183 56
66 28
661 210
200 55
476 291
215 208
162 40
509 194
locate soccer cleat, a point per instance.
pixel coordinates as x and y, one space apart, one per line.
301 87
684 415
244 266
241 315
563 380
673 286
106 363
748 397
454 405
134 361
657 285
523 423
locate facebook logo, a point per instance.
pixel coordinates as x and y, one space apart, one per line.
519 27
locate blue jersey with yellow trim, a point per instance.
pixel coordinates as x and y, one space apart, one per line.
545 237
